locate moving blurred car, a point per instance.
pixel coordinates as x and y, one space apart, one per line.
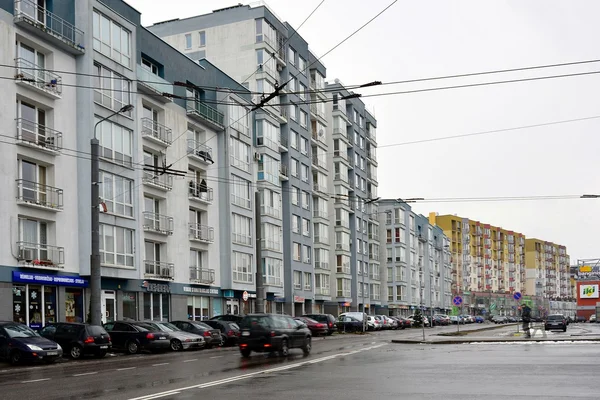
316 328
19 343
133 337
273 332
180 340
555 321
79 339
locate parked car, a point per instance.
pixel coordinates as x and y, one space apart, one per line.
325 319
212 337
79 339
349 323
180 340
479 319
229 330
439 320
357 315
228 317
273 332
316 328
373 324
555 321
592 318
20 343
499 319
133 337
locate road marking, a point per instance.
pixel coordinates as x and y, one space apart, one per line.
36 380
159 364
193 359
216 356
86 373
125 369
246 376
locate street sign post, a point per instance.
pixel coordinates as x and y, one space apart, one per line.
517 297
457 302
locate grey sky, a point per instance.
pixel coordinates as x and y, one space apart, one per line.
437 38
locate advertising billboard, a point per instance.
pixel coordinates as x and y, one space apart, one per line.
588 291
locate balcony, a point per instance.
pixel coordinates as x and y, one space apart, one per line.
162 182
39 255
314 110
269 244
320 213
158 270
39 196
270 211
200 192
204 113
199 152
154 85
38 136
324 265
319 162
342 247
156 132
30 16
158 223
344 268
283 173
201 233
202 275
323 291
42 81
319 188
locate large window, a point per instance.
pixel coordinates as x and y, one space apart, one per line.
272 271
343 287
117 193
111 89
111 39
156 306
271 203
240 192
268 167
239 117
271 237
116 246
116 142
239 153
267 134
241 229
34 305
242 267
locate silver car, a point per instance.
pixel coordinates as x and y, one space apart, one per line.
180 340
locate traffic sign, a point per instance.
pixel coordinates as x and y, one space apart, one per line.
492 306
245 296
517 295
457 301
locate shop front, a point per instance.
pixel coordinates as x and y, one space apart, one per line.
274 304
239 302
202 302
42 298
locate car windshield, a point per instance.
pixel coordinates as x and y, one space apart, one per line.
20 331
168 327
96 330
234 326
202 325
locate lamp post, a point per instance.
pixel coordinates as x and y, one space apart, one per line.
95 272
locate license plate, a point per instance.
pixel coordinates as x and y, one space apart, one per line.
104 347
245 333
52 353
162 338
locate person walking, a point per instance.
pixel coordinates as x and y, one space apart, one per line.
526 316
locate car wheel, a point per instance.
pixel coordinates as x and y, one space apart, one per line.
100 354
329 333
75 351
15 357
245 353
222 342
132 347
307 346
565 329
176 345
284 350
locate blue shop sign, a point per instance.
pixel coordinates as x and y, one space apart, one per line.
46 279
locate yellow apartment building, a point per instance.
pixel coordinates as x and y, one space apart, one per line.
548 269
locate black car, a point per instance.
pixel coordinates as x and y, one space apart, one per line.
212 337
133 337
347 323
79 339
556 321
229 317
20 343
229 330
273 332
327 319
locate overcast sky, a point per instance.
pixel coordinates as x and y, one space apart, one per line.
439 38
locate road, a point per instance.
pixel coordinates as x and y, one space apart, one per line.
340 367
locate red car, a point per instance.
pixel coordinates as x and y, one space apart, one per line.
316 328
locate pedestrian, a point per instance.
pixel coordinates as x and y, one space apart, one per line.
526 316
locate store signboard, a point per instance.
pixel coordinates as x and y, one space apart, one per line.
588 291
46 279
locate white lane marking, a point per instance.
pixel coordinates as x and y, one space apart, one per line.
36 380
193 359
86 373
125 369
216 356
159 364
246 376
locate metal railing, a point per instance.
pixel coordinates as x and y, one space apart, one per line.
37 134
199 150
49 23
322 265
204 111
153 81
202 275
272 280
200 232
283 171
151 128
323 291
158 269
42 195
158 222
270 211
268 244
40 254
43 79
200 191
163 181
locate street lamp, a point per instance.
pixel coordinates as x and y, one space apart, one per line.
95 272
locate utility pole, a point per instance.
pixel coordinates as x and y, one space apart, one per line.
260 290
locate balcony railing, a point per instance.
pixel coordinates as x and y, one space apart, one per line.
269 244
322 265
40 195
158 223
39 135
344 268
283 172
315 110
202 275
40 78
323 291
201 192
205 112
202 233
163 181
40 255
40 19
270 211
199 151
272 280
158 269
320 213
154 83
154 130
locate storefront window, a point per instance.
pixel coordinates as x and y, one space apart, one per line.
49 304
165 307
129 305
19 304
35 306
147 305
73 305
198 308
156 306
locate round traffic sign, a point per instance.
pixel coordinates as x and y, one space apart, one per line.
457 301
245 296
517 295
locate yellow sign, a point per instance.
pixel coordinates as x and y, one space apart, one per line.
585 268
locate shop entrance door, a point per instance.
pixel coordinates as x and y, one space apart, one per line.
109 306
233 306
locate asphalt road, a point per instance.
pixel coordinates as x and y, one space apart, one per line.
340 367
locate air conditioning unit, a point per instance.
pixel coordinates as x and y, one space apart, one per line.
257 156
26 254
279 68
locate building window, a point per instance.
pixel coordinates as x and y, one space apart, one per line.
35 305
239 153
111 39
239 117
301 65
130 305
307 281
291 55
304 169
241 229
198 308
304 146
156 306
117 193
298 280
272 271
116 143
269 169
111 89
149 66
188 40
271 235
240 192
306 250
202 37
303 119
242 267
296 249
306 200
116 246
305 227
271 203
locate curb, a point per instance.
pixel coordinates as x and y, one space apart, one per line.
494 340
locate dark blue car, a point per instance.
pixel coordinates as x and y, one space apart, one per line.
479 319
20 343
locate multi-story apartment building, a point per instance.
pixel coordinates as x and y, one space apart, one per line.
354 184
291 141
160 255
417 261
548 269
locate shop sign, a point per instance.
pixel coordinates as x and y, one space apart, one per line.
156 287
298 299
228 294
201 290
252 295
279 299
45 279
588 291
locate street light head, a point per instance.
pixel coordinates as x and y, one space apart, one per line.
126 108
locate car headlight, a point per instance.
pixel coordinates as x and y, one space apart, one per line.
33 347
58 346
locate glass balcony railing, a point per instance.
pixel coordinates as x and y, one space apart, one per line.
153 81
202 275
205 112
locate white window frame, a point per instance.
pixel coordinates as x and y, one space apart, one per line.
128 256
241 267
241 229
108 131
111 90
116 192
202 38
188 41
117 53
239 154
